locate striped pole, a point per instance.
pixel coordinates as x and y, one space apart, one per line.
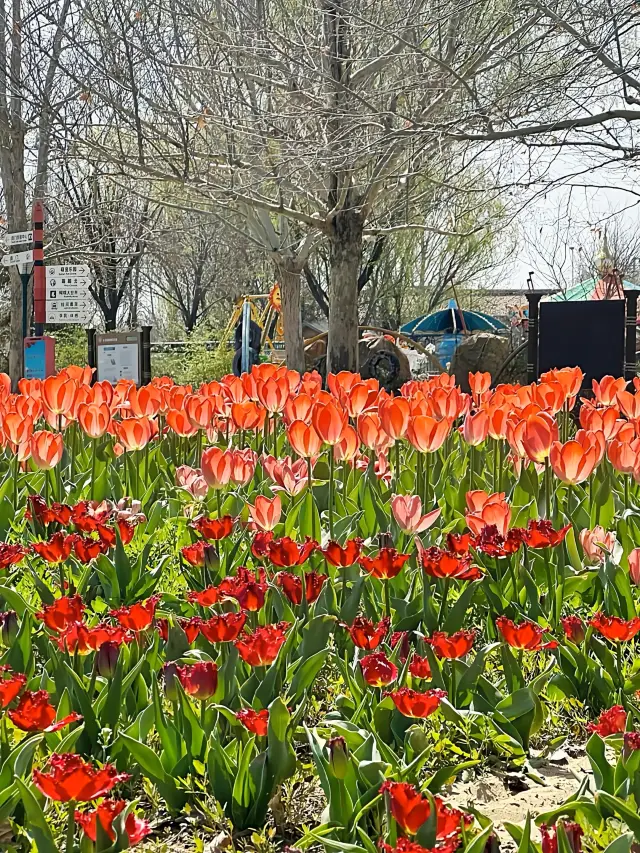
39 287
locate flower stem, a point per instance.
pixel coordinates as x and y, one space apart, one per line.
71 807
332 463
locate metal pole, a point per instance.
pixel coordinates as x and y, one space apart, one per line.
532 349
146 355
91 351
246 325
631 332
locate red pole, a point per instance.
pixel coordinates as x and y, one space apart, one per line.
39 287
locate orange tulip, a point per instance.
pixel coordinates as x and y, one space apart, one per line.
427 434
243 465
343 382
273 394
606 420
46 449
329 420
571 463
449 403
540 431
606 391
498 420
479 384
297 408
361 397
629 403
248 415
304 439
266 512
588 438
28 407
175 397
346 449
94 418
475 428
216 467
200 410
310 383
233 389
82 375
59 393
30 387
371 433
570 378
180 423
135 433
624 455
145 401
550 397
16 428
487 510
394 417
102 392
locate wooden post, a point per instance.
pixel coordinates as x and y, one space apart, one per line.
532 348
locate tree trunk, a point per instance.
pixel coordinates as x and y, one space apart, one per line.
345 251
291 316
13 180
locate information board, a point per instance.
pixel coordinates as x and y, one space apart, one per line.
118 356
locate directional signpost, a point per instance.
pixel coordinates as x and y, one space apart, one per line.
68 296
12 259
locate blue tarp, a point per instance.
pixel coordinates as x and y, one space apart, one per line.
451 320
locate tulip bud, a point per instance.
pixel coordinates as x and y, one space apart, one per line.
8 627
107 659
418 739
631 743
170 678
338 756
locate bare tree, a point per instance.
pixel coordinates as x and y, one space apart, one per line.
32 40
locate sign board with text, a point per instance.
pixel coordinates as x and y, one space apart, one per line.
18 238
118 356
39 357
12 259
68 297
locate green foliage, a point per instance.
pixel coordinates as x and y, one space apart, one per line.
192 365
71 346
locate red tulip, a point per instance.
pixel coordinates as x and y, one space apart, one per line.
206 597
610 722
199 680
256 722
213 529
248 590
195 554
443 564
343 556
291 585
285 552
365 634
35 713
574 628
137 617
411 809
266 512
412 703
11 683
541 534
72 778
223 627
387 564
135 828
191 628
419 667
10 555
451 646
614 628
87 549
404 845
573 831
260 544
62 613
527 635
377 669
57 549
261 647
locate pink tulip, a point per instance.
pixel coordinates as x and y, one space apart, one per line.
407 511
595 542
192 480
634 566
266 512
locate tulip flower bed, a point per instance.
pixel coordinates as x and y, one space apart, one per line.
209 597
